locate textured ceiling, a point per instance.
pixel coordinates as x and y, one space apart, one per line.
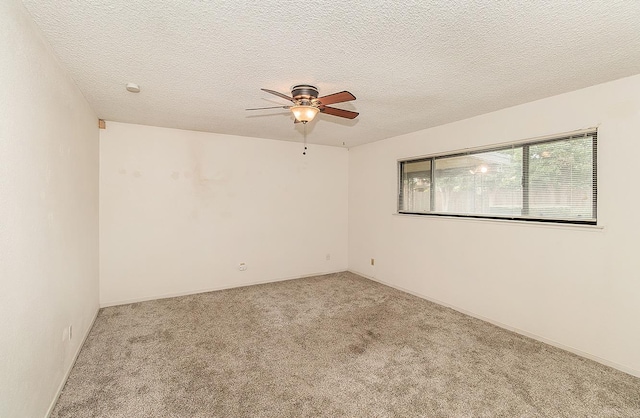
411 64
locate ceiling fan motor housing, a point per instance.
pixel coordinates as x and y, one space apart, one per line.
304 91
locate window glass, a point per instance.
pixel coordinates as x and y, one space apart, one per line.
561 179
416 186
480 183
552 180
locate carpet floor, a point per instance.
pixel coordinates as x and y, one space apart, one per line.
336 345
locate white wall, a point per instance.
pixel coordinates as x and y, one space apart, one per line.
179 210
48 218
576 287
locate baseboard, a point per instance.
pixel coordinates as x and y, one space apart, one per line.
73 362
540 338
211 289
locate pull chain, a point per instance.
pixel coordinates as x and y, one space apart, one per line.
305 138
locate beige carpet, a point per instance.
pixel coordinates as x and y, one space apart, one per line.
330 346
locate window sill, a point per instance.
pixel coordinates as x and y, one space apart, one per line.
534 224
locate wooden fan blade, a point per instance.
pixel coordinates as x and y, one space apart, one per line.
270 107
295 120
284 96
339 112
343 96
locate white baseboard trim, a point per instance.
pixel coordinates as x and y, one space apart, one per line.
540 338
73 362
211 289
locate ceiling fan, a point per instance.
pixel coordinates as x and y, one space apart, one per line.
307 104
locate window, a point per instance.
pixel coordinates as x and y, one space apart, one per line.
553 180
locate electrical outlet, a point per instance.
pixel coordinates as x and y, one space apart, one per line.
328 257
242 266
373 261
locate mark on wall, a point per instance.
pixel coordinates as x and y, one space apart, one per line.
208 185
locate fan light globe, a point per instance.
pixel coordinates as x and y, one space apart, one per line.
304 113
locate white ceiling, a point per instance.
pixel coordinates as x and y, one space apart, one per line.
411 64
